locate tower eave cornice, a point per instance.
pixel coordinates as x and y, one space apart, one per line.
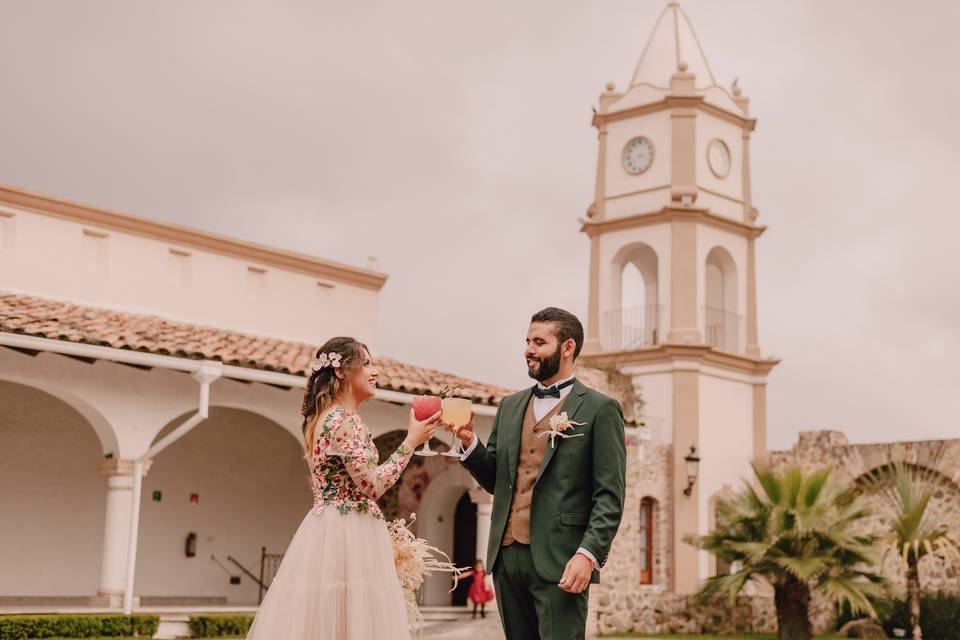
674 102
670 213
703 354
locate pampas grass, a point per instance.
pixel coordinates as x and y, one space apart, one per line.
414 559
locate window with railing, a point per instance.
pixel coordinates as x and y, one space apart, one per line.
722 329
630 328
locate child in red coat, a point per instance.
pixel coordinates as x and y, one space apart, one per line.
479 594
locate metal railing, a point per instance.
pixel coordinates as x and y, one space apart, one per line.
630 328
269 564
723 329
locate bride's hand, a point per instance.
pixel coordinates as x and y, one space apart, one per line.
419 431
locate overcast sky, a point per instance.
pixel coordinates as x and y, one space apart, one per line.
452 140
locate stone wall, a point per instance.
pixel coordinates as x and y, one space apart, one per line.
849 462
648 476
620 604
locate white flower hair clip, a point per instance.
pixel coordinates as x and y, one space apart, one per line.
323 360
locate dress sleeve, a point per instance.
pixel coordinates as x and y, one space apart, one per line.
355 446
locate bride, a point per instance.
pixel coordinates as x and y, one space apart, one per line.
337 580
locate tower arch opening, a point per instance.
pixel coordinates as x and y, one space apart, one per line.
722 323
633 318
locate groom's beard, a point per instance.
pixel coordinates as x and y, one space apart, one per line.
547 369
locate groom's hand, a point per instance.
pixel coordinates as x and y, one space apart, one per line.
465 433
576 575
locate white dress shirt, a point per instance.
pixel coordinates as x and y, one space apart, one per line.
541 407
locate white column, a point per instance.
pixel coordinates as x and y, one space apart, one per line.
484 509
484 502
116 531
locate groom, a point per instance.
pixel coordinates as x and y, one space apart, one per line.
557 501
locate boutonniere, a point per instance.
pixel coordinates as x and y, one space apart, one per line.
558 424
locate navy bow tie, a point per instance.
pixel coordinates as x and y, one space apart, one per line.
552 392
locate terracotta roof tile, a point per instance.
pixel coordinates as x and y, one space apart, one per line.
58 320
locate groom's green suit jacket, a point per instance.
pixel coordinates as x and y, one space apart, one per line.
579 492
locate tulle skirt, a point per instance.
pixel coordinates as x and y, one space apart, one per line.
337 581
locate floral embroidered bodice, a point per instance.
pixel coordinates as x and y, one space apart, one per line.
345 472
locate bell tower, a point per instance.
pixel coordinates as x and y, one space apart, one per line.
672 301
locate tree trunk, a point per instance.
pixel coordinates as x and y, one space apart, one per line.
913 595
793 606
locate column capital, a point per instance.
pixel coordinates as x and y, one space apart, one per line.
118 467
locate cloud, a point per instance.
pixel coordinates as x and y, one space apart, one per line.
452 140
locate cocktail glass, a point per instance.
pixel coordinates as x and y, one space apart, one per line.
456 413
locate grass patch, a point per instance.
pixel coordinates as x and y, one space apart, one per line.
694 636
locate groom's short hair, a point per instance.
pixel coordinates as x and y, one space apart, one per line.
568 326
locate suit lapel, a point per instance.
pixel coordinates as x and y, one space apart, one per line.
515 429
571 404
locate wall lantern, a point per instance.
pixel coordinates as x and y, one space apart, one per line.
693 466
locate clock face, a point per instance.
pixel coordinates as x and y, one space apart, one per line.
638 155
718 156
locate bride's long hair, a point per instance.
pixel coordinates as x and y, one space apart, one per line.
323 385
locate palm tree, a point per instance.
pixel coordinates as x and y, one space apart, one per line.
908 490
800 534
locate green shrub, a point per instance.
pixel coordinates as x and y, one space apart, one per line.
220 626
77 626
939 617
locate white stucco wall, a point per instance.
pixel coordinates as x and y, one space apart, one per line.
655 384
723 196
646 202
52 498
254 490
726 438
56 258
729 202
657 127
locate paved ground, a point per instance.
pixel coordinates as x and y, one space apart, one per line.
479 629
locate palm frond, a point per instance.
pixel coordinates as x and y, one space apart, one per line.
792 526
726 585
855 593
804 569
813 486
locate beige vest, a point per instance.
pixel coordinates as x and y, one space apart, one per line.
532 449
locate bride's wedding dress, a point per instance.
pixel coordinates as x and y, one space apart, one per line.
337 580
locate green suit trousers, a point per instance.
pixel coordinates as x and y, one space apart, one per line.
531 608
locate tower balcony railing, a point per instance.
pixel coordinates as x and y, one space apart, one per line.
723 329
630 328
